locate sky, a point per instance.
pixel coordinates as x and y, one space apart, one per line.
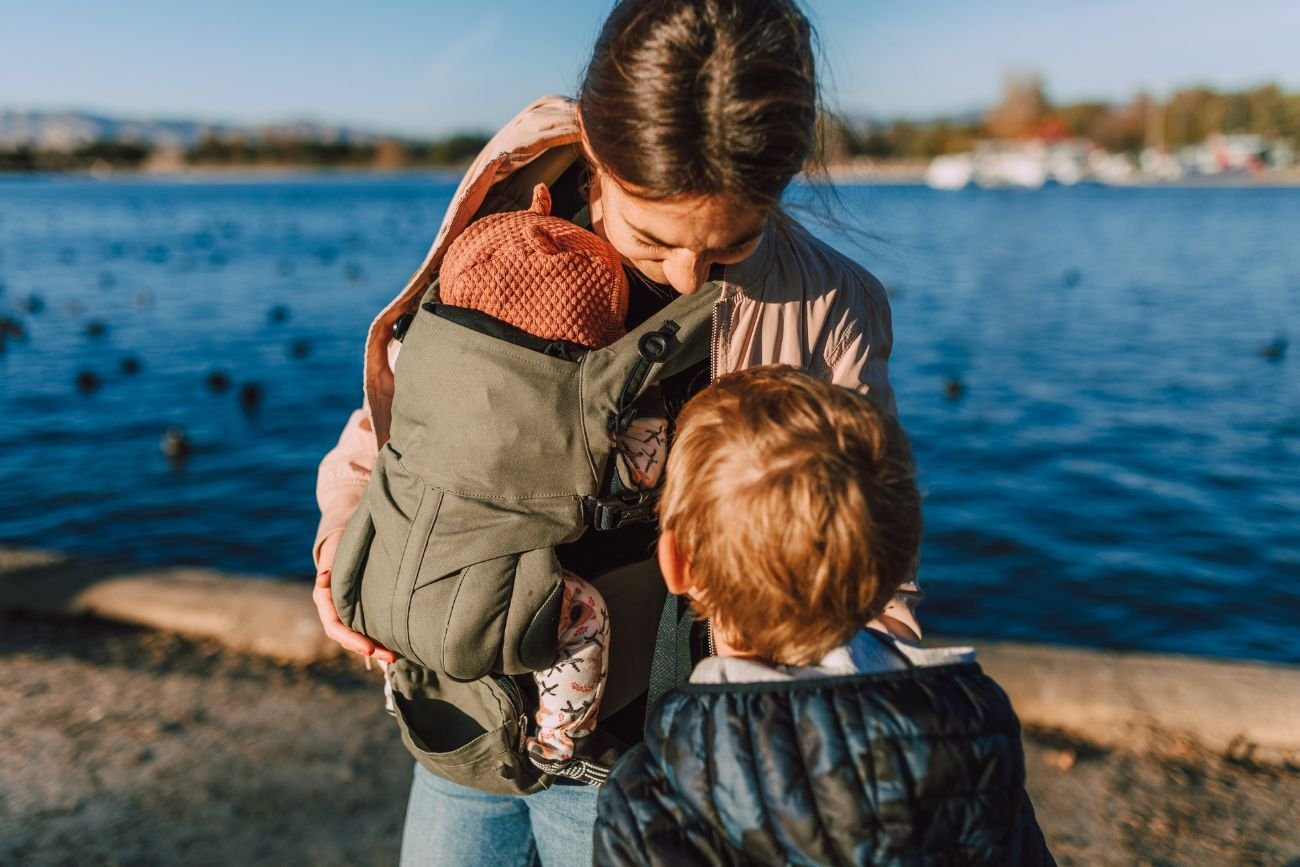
431 67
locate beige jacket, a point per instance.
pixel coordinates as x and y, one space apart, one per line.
794 300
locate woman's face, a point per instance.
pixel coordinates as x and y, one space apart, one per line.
674 241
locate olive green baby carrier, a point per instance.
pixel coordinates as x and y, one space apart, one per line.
498 453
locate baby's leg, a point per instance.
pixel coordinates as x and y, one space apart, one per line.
569 692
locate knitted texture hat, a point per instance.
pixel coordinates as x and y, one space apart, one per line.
539 273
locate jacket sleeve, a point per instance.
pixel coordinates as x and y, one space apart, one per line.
617 839
1030 847
862 364
861 358
342 477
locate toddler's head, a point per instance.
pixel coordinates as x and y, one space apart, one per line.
791 509
539 273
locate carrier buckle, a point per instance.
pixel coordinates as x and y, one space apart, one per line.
613 513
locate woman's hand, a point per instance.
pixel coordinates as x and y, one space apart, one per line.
329 618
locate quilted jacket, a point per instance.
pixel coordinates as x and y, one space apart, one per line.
915 767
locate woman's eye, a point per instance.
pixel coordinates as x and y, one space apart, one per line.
736 251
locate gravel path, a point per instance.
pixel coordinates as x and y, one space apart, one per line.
126 746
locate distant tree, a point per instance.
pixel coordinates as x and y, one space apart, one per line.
1192 115
115 153
1126 129
389 154
834 138
1084 119
1022 109
453 151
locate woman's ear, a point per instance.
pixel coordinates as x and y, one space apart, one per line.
675 569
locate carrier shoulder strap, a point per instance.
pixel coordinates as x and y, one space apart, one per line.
671 665
615 377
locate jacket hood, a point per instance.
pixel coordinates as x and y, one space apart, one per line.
858 769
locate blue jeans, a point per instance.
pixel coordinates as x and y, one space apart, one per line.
450 824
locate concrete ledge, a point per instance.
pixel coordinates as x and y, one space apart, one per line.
258 615
1139 702
1153 702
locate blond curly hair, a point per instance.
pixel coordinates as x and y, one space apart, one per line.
795 504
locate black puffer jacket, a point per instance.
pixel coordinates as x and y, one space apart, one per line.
916 767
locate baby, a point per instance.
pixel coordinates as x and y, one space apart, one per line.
547 279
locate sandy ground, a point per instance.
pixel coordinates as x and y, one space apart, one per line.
127 746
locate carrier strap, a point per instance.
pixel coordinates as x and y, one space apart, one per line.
671 665
652 347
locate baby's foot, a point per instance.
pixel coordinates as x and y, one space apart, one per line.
551 745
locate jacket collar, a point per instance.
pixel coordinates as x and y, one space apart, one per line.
768 764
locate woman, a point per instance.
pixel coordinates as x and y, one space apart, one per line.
693 117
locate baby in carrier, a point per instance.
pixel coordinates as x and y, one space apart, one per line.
552 285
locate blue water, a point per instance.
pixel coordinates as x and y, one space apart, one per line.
1121 468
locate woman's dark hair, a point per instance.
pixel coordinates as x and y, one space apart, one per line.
701 97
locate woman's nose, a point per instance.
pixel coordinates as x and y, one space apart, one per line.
686 271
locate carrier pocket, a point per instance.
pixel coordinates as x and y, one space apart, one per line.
501 615
350 560
469 733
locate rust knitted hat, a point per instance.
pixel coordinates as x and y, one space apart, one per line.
539 273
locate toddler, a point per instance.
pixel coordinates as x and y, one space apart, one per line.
789 517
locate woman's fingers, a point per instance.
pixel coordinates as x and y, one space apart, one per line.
328 548
336 631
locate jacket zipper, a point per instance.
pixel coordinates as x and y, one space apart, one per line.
708 633
716 343
508 686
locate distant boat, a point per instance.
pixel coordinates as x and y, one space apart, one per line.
950 172
1027 170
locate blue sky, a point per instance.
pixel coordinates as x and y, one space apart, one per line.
432 67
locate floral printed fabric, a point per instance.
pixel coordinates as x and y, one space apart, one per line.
569 692
643 448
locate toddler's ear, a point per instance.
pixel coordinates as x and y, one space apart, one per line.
675 569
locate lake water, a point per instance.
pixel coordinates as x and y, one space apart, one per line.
1119 467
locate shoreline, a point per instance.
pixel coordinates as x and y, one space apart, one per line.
863 173
913 173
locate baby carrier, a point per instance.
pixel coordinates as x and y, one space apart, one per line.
501 448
